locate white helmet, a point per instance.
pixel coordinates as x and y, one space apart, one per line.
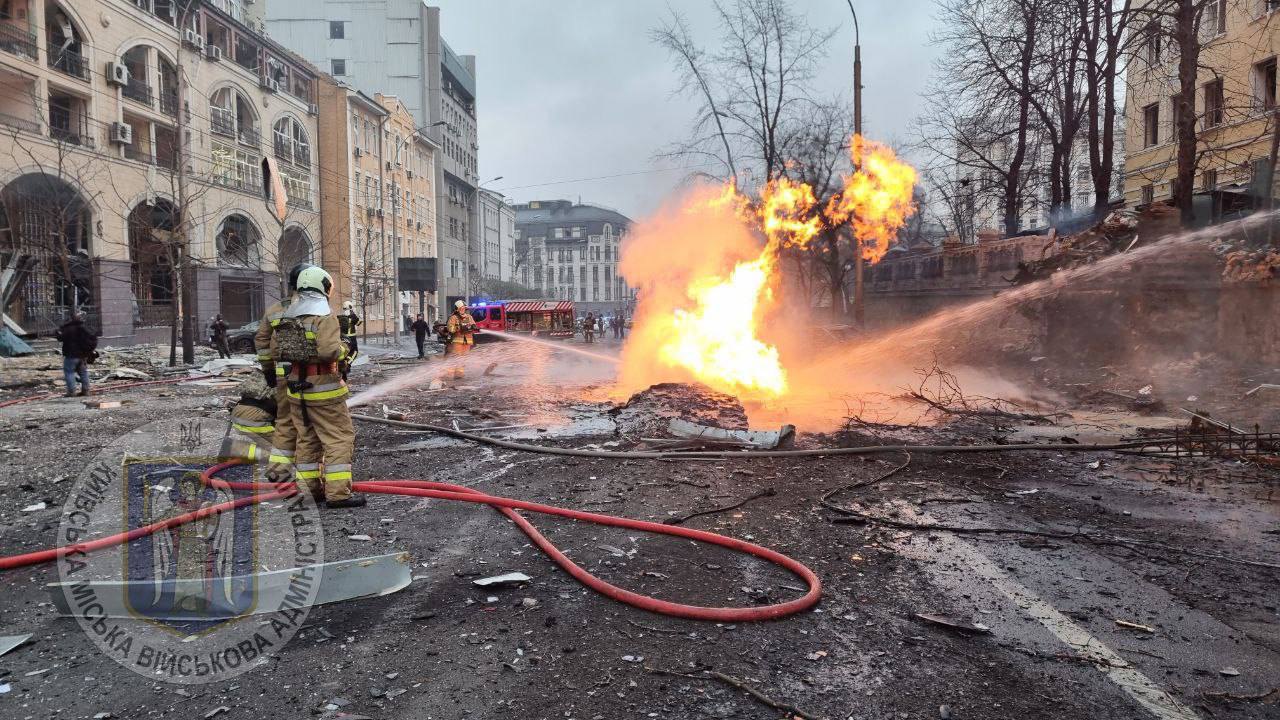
459 304
314 278
348 305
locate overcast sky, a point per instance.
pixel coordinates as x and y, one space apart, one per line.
574 89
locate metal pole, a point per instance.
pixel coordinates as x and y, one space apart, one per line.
395 258
859 309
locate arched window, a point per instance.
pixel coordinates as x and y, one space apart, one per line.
293 149
238 243
295 247
45 229
231 114
65 42
291 144
151 266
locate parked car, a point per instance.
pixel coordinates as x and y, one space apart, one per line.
239 340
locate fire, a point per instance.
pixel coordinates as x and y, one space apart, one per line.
878 197
708 288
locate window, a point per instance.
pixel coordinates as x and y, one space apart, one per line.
1148 194
1213 104
337 30
1151 43
1151 125
559 233
338 66
1264 84
1209 179
1213 21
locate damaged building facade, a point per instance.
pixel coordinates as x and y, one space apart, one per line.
99 201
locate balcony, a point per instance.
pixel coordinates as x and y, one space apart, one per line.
250 137
17 41
70 136
70 63
222 121
169 103
18 123
139 154
139 91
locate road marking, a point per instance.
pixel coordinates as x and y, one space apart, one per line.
1140 687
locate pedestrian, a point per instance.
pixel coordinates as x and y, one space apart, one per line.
622 327
420 328
461 330
589 328
309 337
252 422
274 370
218 333
600 322
349 321
79 349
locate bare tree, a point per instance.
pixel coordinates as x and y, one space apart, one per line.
750 88
1105 36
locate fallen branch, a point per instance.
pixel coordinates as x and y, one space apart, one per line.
825 500
982 412
854 517
728 680
767 492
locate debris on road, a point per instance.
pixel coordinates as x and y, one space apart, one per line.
955 624
510 579
1134 626
9 642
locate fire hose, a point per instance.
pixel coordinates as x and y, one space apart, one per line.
508 507
107 388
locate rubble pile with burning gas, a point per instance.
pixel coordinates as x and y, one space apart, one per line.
708 269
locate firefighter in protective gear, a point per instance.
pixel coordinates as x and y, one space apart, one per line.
280 456
349 321
253 419
461 330
316 392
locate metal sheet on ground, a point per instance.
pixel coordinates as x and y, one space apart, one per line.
339 581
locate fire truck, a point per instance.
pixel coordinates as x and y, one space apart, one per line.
536 318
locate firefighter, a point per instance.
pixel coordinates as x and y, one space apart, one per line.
252 422
349 321
309 336
461 330
280 458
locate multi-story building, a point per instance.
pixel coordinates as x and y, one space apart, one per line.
379 201
102 200
494 255
1234 107
395 46
571 251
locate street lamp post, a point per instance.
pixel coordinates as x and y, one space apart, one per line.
478 227
859 312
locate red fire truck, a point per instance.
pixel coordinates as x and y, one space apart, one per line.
537 318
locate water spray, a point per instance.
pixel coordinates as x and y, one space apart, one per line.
552 345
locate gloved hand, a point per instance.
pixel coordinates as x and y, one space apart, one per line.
269 374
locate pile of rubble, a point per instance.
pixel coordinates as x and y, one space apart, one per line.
648 413
140 362
1118 232
1251 266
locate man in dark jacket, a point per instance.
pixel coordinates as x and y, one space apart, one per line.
78 344
218 332
420 328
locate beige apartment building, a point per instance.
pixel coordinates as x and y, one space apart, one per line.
1235 102
93 96
379 202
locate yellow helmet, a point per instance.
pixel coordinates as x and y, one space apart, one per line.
315 278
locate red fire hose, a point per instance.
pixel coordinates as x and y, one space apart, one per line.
508 507
106 388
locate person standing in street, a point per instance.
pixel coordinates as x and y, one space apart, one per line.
349 321
309 337
589 328
218 332
461 330
283 439
78 349
420 328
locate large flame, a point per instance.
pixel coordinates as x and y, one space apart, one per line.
708 288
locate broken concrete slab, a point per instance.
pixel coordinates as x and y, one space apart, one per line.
762 439
339 581
227 366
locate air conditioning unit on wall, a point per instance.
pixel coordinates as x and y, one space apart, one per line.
213 52
117 74
121 133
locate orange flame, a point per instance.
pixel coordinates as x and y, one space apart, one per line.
707 287
877 197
